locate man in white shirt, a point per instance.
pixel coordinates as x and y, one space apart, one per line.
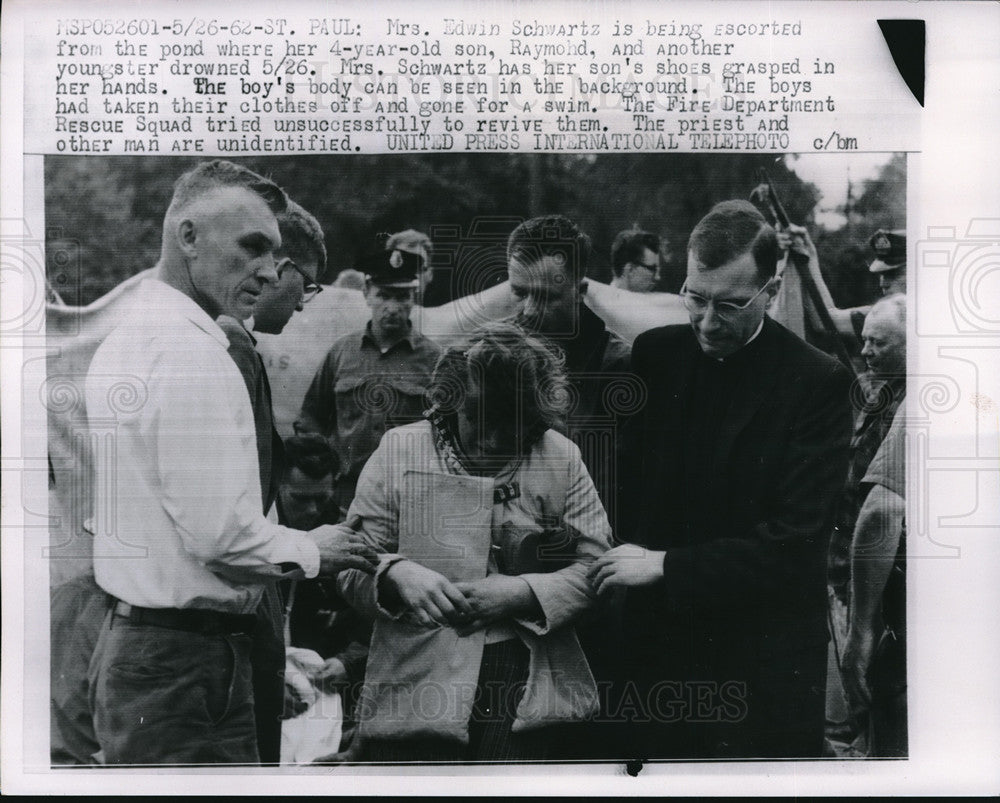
182 544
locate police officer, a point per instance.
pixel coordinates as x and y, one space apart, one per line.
890 260
373 379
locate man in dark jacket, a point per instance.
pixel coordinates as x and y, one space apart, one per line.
299 263
547 260
731 472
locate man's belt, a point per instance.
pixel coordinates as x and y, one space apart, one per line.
192 620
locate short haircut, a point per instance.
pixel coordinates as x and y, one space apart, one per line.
208 176
413 241
731 229
521 378
550 235
302 236
311 454
628 247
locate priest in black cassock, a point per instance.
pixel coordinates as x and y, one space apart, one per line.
730 474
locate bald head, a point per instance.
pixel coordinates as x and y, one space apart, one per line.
884 336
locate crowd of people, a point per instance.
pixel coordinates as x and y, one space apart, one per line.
542 543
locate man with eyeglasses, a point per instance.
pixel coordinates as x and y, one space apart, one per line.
635 261
730 473
373 379
298 262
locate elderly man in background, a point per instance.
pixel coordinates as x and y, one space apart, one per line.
300 259
186 551
884 352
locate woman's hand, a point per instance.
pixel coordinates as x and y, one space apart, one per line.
494 598
431 596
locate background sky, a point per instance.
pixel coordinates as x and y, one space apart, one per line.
830 173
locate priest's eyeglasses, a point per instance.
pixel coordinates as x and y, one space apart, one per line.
727 310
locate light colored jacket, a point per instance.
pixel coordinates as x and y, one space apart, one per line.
435 670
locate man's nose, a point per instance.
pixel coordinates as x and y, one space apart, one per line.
532 308
710 319
267 270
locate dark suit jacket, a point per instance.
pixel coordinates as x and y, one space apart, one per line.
270 448
267 657
597 365
743 601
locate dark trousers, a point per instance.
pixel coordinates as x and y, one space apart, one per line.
502 677
77 609
699 714
164 696
267 661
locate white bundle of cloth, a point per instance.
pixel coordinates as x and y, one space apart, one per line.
315 732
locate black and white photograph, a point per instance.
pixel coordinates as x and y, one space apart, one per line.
531 398
558 458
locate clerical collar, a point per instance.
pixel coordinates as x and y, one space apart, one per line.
753 337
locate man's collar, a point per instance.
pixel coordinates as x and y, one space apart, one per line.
167 299
410 338
228 322
742 349
757 331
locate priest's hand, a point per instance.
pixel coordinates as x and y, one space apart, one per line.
626 566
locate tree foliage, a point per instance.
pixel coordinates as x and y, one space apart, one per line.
110 210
